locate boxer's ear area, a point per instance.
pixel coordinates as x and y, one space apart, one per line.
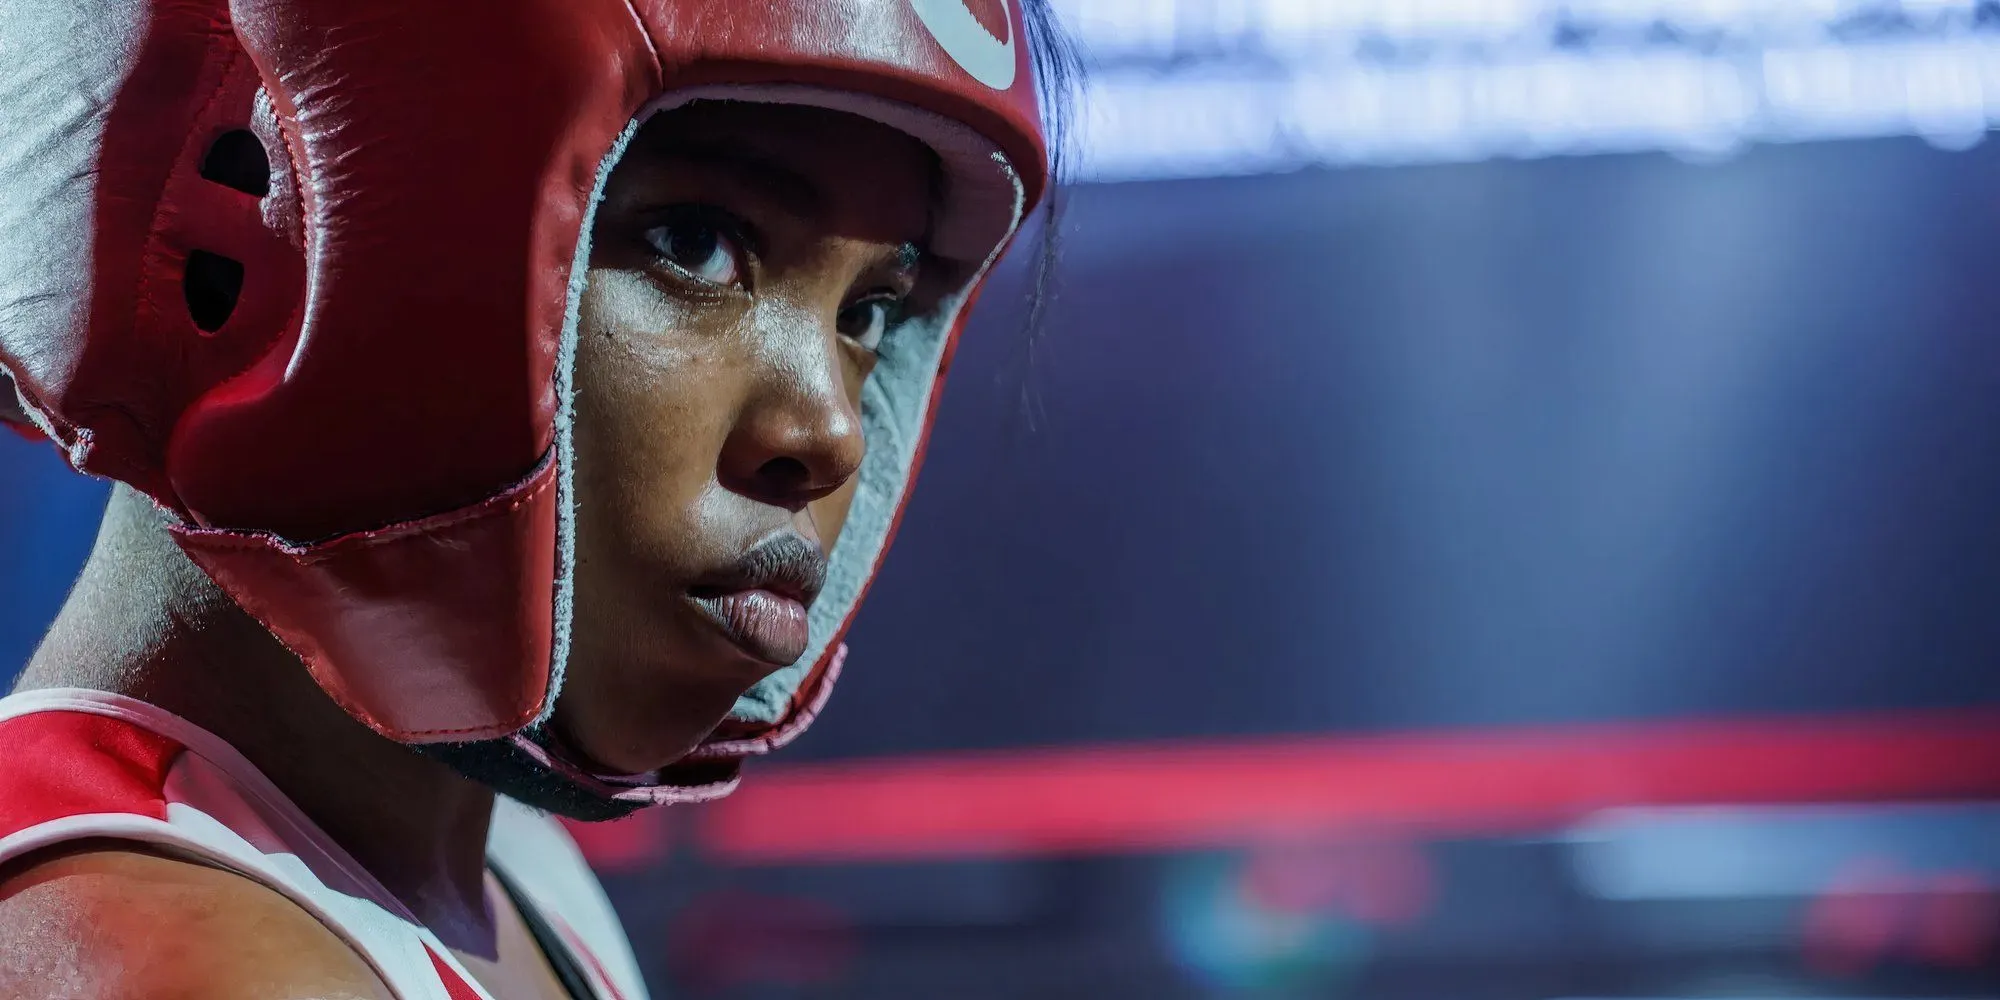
211 282
236 159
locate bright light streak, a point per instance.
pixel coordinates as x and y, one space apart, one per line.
1194 88
1125 28
1144 125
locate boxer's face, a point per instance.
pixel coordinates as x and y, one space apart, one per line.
744 264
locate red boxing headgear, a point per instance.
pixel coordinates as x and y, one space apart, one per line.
377 467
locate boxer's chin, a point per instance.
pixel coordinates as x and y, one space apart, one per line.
510 771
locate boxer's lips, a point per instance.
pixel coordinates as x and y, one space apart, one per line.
769 626
760 604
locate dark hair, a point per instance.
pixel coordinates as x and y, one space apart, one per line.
1058 76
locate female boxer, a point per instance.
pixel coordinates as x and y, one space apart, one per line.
511 398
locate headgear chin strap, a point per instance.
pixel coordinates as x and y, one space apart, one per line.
379 469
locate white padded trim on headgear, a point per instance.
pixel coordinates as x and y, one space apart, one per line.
49 178
984 201
565 386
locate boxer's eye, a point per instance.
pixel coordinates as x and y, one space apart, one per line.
865 322
700 243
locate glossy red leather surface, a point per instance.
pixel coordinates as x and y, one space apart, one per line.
446 154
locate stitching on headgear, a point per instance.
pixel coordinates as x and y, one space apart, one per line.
320 551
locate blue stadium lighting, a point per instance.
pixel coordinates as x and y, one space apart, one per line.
1223 87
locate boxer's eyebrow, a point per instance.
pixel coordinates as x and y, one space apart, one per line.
792 190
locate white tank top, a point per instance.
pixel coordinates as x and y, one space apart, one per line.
87 764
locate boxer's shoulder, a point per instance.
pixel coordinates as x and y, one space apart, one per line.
101 920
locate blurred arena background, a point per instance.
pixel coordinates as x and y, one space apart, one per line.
1507 505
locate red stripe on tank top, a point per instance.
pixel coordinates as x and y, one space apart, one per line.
455 985
65 764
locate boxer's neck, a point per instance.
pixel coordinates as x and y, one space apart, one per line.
145 622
